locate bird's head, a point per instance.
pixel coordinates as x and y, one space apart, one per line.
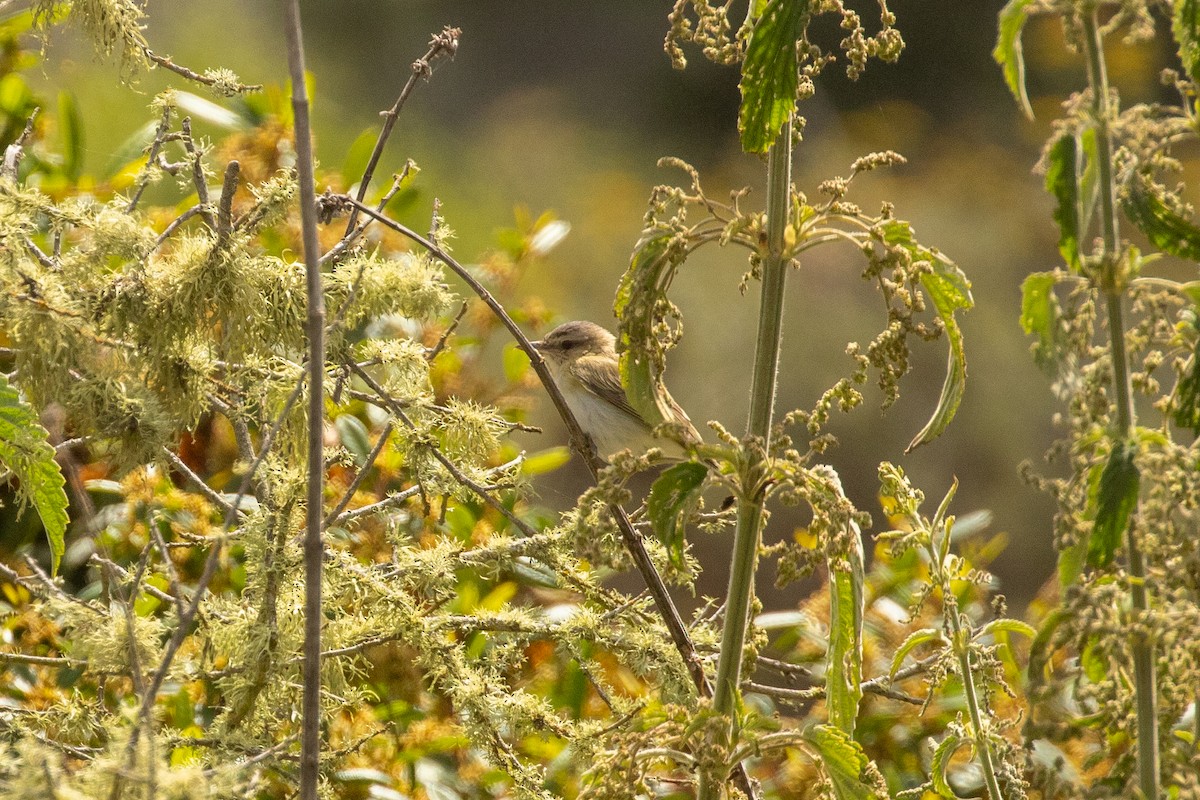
573 340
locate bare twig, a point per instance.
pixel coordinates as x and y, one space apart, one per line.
358 479
225 206
175 223
160 136
310 740
442 44
16 151
199 179
207 79
212 494
353 236
446 334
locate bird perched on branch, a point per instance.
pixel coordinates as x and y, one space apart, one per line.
582 358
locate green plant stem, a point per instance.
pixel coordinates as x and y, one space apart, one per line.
762 406
310 740
962 647
1145 678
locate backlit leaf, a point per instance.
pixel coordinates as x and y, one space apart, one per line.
913 641
770 73
25 449
950 291
1185 24
843 668
1040 316
70 134
640 300
1063 184
672 496
1008 53
850 771
1117 500
941 760
1169 231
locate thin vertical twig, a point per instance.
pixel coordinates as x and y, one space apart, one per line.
310 738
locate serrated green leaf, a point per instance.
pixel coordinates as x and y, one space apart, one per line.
25 449
910 643
1008 52
1186 411
1040 316
354 437
843 664
941 761
1070 563
70 134
1008 626
950 291
1167 230
850 771
1039 649
671 497
544 461
1117 500
770 73
639 300
1062 182
1185 25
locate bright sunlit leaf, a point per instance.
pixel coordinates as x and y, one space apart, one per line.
770 73
1008 52
1117 500
25 450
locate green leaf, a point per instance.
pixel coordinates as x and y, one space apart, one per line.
671 497
941 761
132 149
545 460
1117 500
1040 316
1062 182
1007 626
354 437
843 666
1186 412
640 299
70 132
913 641
1008 53
1070 563
358 155
516 363
950 291
851 773
25 449
1185 24
1169 231
770 73
1039 650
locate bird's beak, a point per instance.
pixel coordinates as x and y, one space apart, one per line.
536 345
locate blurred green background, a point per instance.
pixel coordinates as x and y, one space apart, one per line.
566 106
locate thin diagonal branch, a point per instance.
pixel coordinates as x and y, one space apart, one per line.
442 44
580 443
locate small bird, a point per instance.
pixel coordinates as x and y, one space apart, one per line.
582 358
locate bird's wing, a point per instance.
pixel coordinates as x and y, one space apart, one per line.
601 377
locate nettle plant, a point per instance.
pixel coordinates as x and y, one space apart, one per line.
397 618
1114 667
